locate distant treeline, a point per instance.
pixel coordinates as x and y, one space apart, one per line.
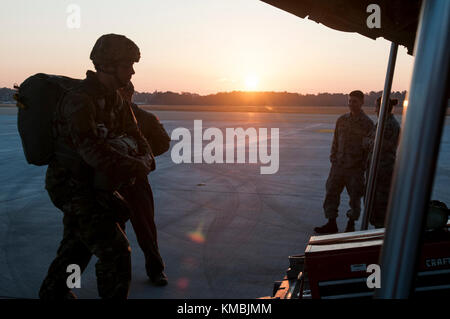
238 98
6 95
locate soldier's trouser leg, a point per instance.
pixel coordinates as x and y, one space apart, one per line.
140 199
380 203
71 251
105 239
334 186
95 228
355 185
378 215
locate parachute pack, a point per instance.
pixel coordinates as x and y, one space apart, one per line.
37 99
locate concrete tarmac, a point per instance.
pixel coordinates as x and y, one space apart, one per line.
224 230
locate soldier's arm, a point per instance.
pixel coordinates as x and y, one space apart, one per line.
334 145
391 135
370 126
92 148
396 136
368 140
131 128
153 130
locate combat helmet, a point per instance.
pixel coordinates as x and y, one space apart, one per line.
111 49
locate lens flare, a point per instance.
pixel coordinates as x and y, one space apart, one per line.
182 283
197 235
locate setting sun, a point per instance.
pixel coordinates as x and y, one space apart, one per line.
251 82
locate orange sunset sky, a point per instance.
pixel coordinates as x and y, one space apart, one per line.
198 46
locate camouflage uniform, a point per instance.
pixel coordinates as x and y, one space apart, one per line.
385 167
93 219
348 158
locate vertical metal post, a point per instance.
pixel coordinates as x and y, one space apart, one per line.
418 152
370 189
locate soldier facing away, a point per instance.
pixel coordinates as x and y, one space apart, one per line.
385 163
348 163
94 214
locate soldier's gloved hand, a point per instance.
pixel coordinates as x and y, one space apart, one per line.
147 159
145 164
138 167
144 149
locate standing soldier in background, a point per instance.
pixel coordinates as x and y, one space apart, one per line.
385 163
139 196
348 163
88 115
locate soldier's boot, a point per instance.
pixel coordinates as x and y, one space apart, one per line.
159 279
50 291
67 296
70 295
328 228
154 264
350 226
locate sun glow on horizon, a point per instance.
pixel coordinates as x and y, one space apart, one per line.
196 49
251 82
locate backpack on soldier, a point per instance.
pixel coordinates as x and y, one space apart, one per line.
37 99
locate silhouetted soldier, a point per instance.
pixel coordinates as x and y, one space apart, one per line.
386 163
348 163
88 116
139 195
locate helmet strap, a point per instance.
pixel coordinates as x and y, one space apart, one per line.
118 80
112 72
